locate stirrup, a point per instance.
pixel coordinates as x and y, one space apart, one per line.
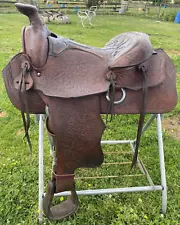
62 210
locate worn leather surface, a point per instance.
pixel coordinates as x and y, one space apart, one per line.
126 49
160 99
85 73
78 133
132 78
77 78
74 77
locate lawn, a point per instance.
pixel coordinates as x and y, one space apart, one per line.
19 172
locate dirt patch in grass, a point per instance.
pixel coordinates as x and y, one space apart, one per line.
173 52
3 114
20 132
172 126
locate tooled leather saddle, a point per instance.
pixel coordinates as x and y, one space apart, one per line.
78 83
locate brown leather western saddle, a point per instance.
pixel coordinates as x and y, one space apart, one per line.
78 83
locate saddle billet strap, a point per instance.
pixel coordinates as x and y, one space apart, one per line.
143 68
111 102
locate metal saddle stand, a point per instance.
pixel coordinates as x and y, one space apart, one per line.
161 187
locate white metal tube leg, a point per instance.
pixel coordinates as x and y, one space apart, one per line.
162 164
148 123
41 167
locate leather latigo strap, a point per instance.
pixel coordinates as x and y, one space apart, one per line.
143 68
24 82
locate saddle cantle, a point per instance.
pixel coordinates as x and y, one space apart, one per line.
78 83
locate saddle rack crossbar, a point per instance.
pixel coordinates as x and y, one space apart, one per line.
161 187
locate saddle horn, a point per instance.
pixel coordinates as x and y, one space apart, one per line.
31 12
34 36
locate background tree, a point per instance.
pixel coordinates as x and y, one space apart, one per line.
93 3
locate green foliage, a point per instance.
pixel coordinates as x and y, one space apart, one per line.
157 2
158 13
19 173
93 3
167 15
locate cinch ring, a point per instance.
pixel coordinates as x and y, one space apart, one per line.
119 101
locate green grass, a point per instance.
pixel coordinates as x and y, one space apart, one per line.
19 174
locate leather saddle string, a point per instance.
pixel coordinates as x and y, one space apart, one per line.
143 68
25 112
111 103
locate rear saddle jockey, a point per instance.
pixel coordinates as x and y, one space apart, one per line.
78 83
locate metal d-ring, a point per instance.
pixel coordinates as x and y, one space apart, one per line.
120 100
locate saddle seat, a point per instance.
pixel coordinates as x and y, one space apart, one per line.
75 70
124 50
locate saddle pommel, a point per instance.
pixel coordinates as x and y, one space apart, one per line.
30 11
34 36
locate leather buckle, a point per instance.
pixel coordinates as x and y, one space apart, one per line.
24 81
